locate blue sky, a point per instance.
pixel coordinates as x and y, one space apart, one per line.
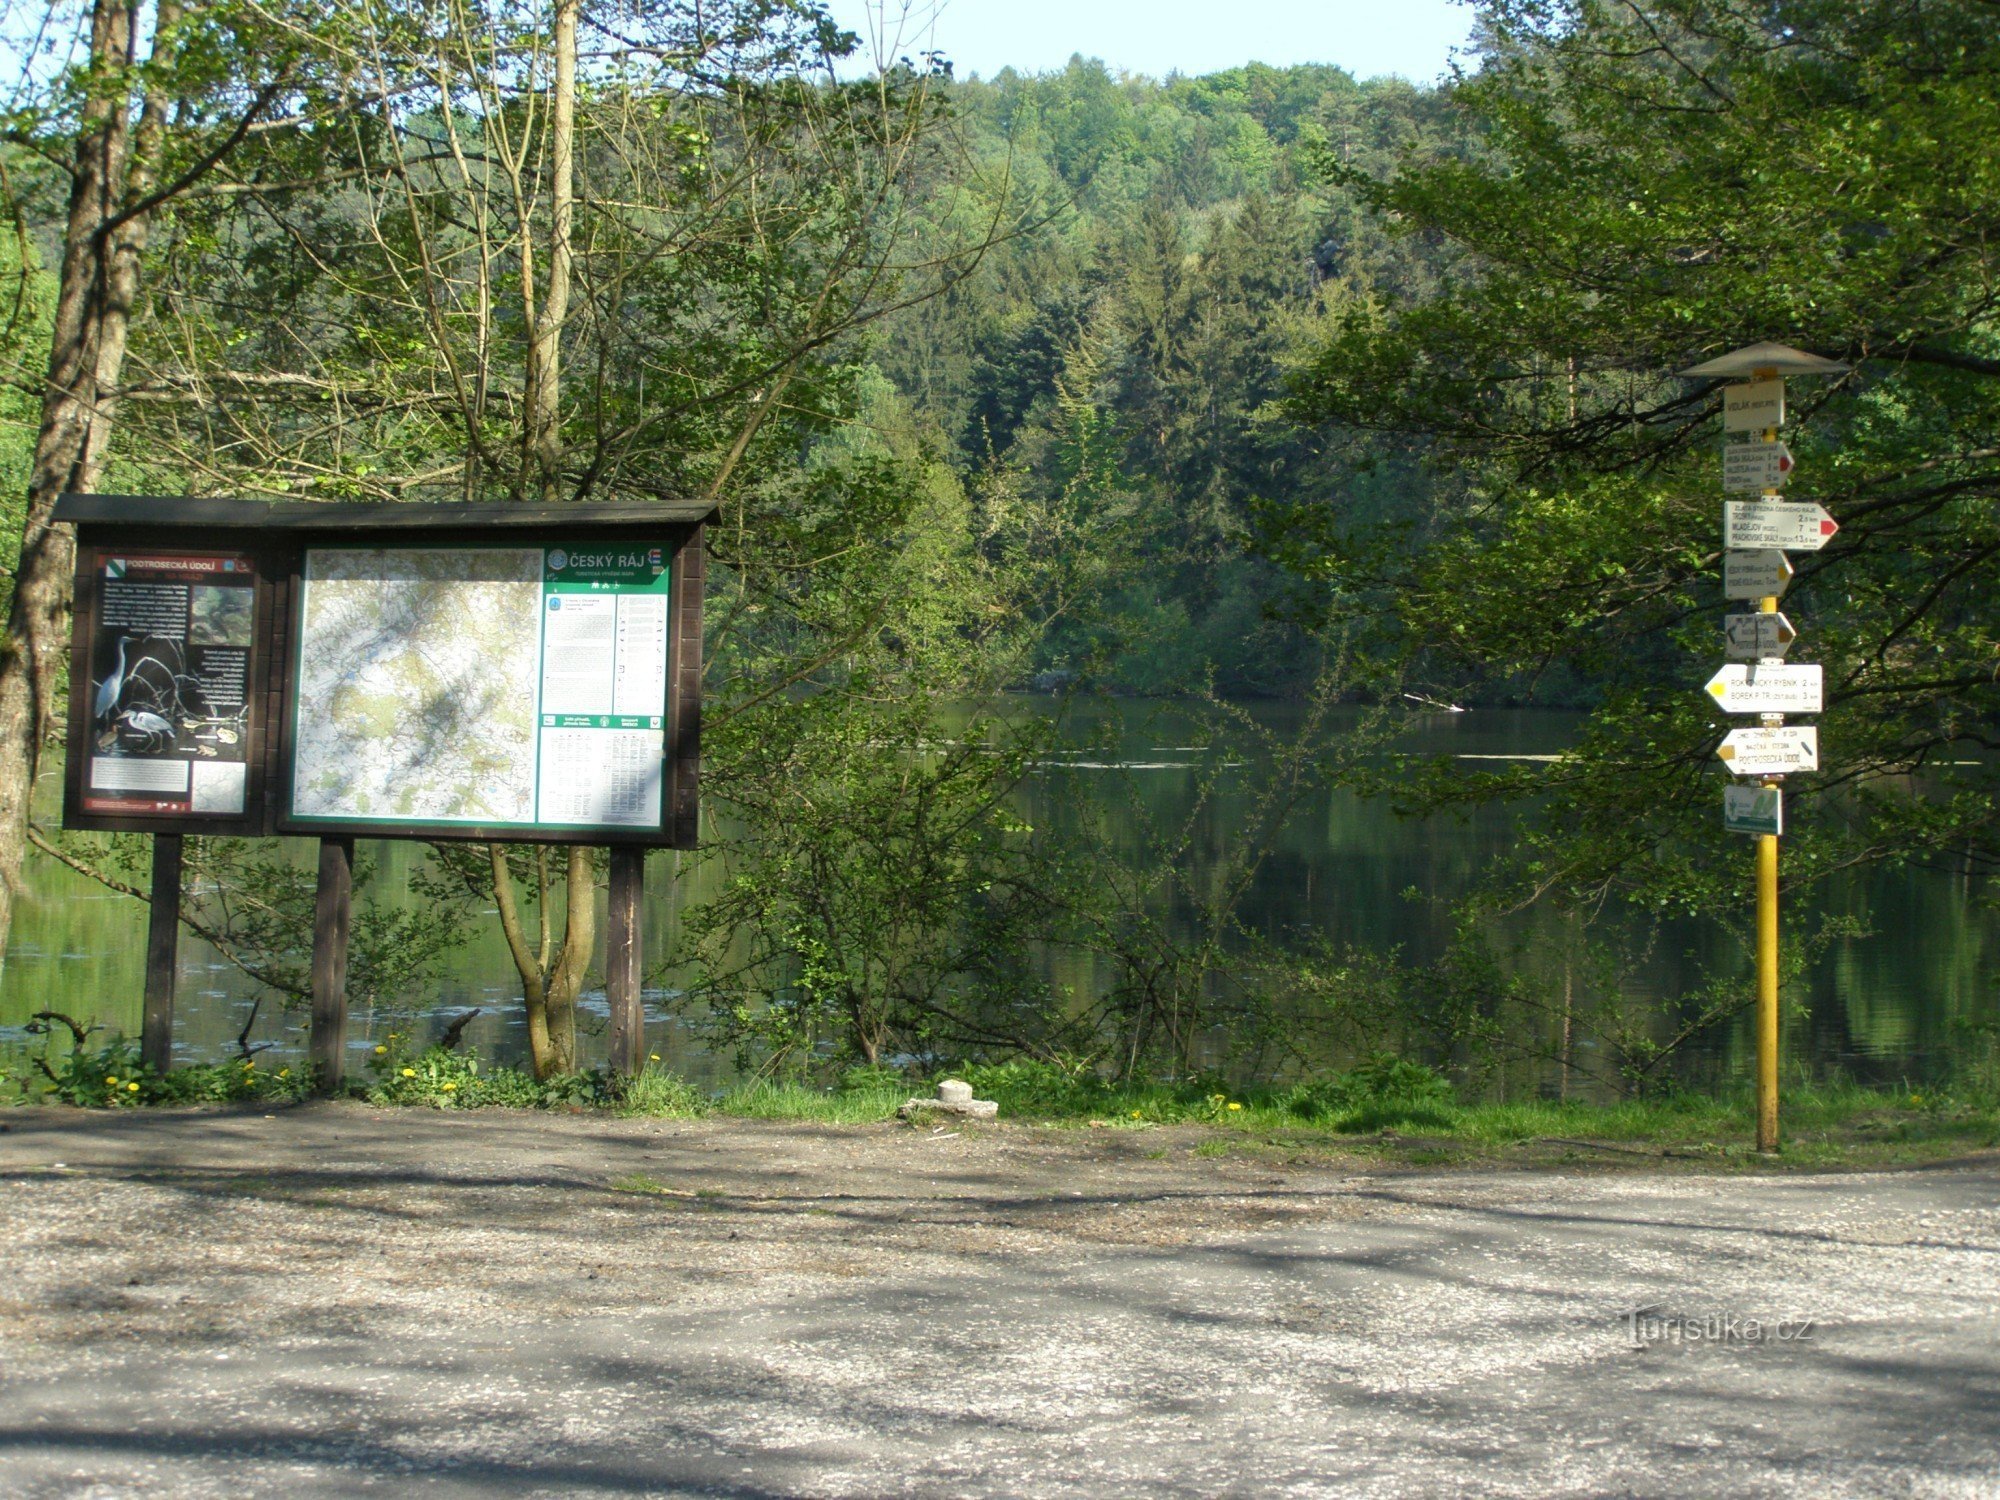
1413 38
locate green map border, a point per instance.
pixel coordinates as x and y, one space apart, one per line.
291 813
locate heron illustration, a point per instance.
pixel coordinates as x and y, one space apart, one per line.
112 686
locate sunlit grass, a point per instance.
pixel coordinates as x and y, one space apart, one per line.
1384 1108
762 1099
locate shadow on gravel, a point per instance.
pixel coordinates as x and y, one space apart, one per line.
559 1473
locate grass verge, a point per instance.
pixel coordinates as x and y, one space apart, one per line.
1386 1110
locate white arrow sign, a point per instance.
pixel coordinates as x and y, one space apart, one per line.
1753 809
1753 407
1755 575
1770 752
1798 527
1750 467
1757 637
1766 690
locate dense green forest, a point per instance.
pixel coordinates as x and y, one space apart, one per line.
1188 247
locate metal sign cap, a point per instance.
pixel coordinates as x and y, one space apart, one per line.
1752 359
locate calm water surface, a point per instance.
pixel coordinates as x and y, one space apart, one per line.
1883 1007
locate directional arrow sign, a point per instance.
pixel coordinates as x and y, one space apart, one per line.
1771 752
1755 575
1797 527
1753 809
1766 690
1757 637
1750 467
1753 407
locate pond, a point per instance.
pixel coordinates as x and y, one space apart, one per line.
1879 1008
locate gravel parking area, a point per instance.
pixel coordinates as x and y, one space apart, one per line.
335 1300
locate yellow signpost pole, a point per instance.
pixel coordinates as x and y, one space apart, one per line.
1762 464
1767 920
1767 990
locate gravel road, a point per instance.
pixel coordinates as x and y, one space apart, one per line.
342 1301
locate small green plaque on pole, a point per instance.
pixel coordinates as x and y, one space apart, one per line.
1754 809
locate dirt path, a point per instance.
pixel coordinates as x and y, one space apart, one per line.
339 1301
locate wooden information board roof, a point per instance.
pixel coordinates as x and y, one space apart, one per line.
319 517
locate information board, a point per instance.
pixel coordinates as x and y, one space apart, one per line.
490 686
169 638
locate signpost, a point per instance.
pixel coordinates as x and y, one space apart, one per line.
489 672
1752 468
1770 752
1758 637
1758 533
1795 527
1755 406
1764 574
1766 688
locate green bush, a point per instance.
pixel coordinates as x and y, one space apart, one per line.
111 1076
654 1091
230 1083
106 1077
1030 1086
1382 1092
875 1078
433 1076
439 1079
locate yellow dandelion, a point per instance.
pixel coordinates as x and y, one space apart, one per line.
111 1083
449 1087
1138 1114
653 1056
409 1072
381 1051
284 1072
132 1088
1234 1105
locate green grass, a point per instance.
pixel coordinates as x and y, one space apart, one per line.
1823 1126
661 1095
642 1185
763 1100
1385 1109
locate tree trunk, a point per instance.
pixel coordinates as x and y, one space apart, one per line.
527 963
114 170
566 981
544 375
549 988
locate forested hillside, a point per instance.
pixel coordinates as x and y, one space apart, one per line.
1175 245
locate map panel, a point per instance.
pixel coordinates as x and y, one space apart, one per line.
417 688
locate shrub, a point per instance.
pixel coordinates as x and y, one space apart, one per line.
433 1076
106 1077
1382 1091
442 1079
230 1083
654 1091
874 1078
1030 1086
111 1076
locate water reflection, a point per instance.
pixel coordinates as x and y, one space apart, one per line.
1887 1006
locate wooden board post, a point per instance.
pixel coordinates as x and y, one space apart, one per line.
163 930
327 1044
624 960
